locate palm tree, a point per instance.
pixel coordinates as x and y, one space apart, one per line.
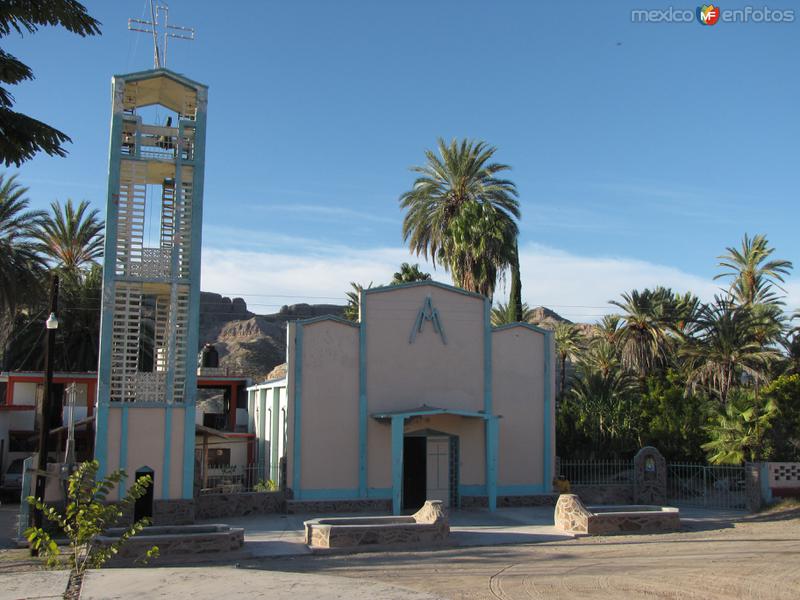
408 274
505 314
737 434
461 215
603 397
725 348
642 338
751 277
569 342
20 263
71 237
352 310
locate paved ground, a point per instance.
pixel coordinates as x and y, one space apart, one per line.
282 535
714 558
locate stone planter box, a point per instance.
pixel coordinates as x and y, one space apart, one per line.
427 526
176 540
572 516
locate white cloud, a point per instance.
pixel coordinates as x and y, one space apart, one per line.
578 287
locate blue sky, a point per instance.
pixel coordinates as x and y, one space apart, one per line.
640 150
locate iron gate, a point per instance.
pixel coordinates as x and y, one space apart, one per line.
712 486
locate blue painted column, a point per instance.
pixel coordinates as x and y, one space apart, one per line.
397 464
547 417
274 473
362 396
491 462
123 447
298 405
262 427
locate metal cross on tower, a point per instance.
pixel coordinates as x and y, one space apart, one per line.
166 30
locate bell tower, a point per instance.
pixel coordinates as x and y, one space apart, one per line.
151 280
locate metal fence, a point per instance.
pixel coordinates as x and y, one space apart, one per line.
712 486
230 479
597 472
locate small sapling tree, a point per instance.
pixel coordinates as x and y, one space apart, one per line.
87 516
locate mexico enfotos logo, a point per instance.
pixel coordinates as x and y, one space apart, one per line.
712 14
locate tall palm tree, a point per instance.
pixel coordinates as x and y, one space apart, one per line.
643 337
569 343
352 310
456 199
751 272
71 237
408 274
725 348
505 314
20 263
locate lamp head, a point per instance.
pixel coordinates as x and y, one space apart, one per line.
52 321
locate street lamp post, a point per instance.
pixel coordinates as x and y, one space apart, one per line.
46 412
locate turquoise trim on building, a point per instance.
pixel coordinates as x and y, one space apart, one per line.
547 471
502 490
151 73
262 425
101 438
274 467
347 494
168 452
397 464
362 395
109 270
192 339
427 412
520 490
298 395
491 462
471 490
322 318
427 313
487 356
523 325
123 446
438 284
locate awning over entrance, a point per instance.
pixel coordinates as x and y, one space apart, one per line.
397 420
427 411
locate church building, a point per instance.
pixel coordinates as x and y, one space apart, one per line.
420 399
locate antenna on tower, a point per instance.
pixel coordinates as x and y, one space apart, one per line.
160 29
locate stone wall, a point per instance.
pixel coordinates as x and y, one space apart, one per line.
510 501
173 512
306 507
572 516
650 477
213 506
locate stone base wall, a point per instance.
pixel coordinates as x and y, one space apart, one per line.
173 512
572 516
183 540
297 507
510 501
604 494
428 526
213 506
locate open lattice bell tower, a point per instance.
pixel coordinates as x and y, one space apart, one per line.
151 279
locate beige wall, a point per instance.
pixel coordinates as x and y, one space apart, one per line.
146 445
401 375
518 398
329 452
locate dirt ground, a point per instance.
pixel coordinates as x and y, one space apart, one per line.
751 557
755 557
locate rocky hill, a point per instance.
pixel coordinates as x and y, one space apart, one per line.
251 344
255 345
